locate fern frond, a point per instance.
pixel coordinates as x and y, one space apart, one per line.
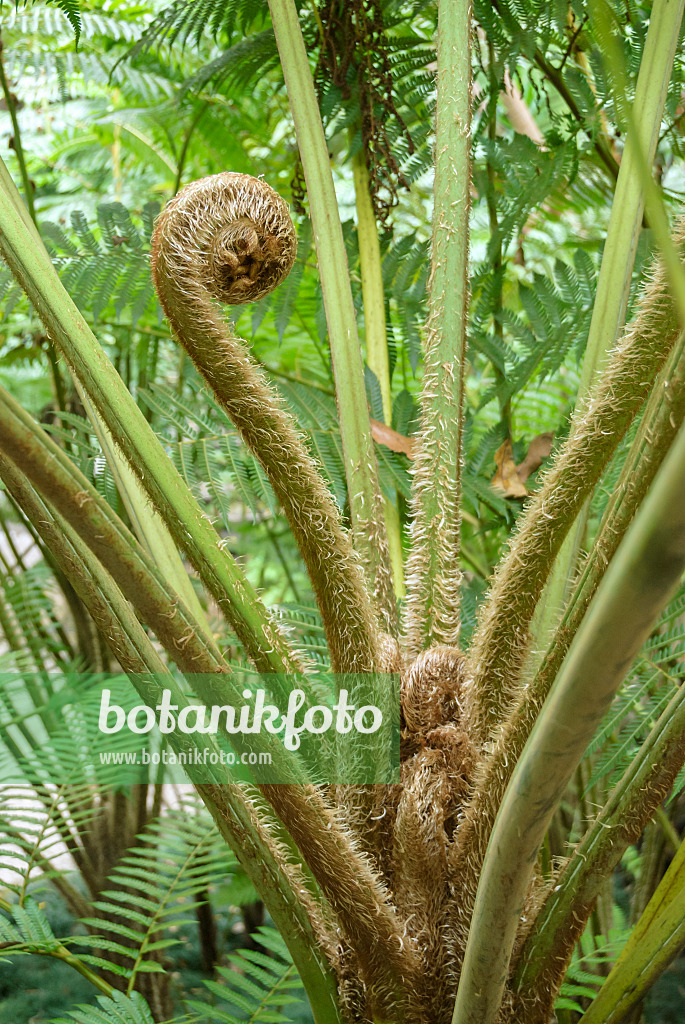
155 886
114 1009
256 987
182 21
71 10
107 270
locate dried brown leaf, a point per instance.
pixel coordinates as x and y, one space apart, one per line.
538 449
383 434
506 479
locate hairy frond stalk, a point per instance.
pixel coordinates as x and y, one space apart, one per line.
639 582
501 641
192 531
433 573
230 238
660 423
344 874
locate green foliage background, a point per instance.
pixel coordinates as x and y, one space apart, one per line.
121 103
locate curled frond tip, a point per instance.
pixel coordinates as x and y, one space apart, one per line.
234 230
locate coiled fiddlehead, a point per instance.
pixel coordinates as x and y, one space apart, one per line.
230 238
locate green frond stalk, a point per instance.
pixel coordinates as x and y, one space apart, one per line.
640 580
147 524
205 241
361 470
375 335
631 805
433 573
501 641
192 531
620 247
61 483
111 611
53 474
655 941
627 209
661 421
281 887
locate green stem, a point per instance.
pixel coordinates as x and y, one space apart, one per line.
66 957
625 222
620 247
639 582
360 458
194 651
375 336
54 474
150 528
631 805
147 524
433 571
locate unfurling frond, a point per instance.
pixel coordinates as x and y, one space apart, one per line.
229 238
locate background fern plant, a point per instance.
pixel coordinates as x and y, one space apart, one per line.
474 232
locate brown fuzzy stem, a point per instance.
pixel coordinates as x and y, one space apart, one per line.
366 915
230 238
375 932
501 641
280 883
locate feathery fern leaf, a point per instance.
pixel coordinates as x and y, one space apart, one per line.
256 987
156 885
